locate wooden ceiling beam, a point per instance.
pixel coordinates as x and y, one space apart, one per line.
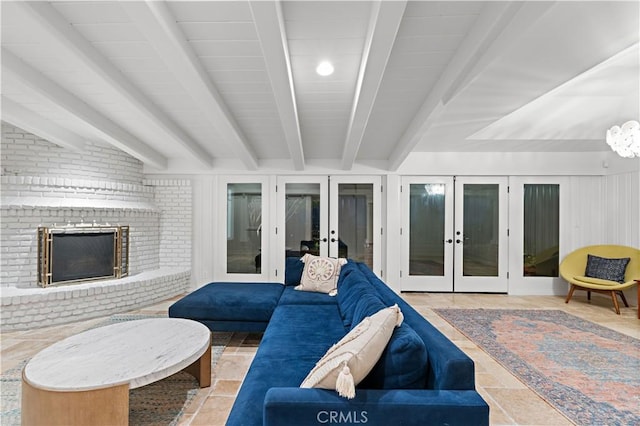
497 27
383 28
159 26
108 130
68 36
269 22
19 116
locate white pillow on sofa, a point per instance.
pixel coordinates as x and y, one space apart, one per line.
350 360
320 274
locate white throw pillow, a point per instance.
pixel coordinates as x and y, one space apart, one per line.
320 274
350 360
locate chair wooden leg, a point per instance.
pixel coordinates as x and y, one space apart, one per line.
571 290
624 299
615 302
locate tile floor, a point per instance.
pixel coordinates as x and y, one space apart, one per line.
512 403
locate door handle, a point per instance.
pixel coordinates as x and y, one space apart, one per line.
324 240
333 240
458 241
449 241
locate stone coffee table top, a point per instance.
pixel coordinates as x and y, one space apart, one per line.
134 352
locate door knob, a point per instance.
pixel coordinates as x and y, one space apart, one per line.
333 240
324 240
458 241
449 241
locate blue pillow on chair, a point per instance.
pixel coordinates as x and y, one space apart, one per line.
606 269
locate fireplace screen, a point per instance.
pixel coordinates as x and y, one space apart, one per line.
82 253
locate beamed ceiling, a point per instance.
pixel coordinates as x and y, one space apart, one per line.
206 85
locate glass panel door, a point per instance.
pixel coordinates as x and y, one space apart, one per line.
541 243
481 235
244 228
243 221
427 234
333 216
354 230
537 212
302 219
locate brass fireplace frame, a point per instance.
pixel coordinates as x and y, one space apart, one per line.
45 251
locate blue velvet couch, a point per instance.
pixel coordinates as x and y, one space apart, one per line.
422 377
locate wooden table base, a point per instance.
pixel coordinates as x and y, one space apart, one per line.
99 407
201 369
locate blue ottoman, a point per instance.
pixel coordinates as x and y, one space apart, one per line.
228 306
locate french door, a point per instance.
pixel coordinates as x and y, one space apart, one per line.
336 216
454 234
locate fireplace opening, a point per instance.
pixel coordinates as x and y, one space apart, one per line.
80 253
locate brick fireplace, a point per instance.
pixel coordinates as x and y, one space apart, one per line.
44 185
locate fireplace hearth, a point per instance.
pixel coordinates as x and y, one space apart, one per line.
78 253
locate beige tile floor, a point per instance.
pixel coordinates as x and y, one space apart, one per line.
511 402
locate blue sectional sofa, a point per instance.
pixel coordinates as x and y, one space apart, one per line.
422 377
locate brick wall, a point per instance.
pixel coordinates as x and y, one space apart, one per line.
19 250
43 184
24 154
174 200
34 308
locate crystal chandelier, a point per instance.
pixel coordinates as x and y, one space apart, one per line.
625 140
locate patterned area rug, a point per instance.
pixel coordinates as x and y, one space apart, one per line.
159 403
589 373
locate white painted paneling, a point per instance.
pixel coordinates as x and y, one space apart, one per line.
233 63
219 30
199 11
226 47
432 25
91 12
109 32
587 224
205 218
622 209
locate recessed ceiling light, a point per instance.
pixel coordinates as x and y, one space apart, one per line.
325 68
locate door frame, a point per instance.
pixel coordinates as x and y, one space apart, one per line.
480 284
220 273
376 234
518 283
453 280
280 221
442 283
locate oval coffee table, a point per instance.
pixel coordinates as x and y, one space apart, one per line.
85 379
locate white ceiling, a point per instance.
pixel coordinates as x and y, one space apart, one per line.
202 85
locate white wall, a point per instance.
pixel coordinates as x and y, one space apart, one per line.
599 195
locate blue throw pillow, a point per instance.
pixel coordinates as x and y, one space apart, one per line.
293 271
606 269
403 364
